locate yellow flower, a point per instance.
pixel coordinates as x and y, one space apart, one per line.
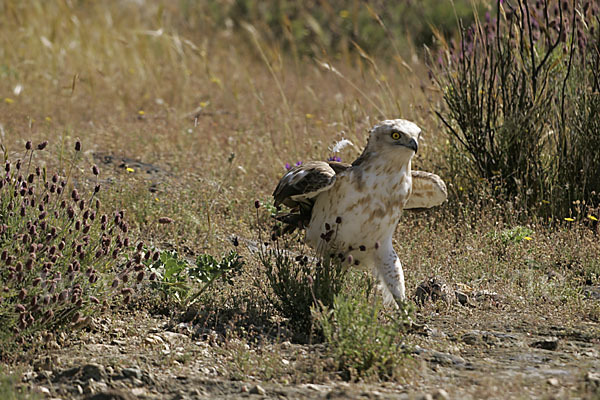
8 100
309 116
592 218
203 104
156 199
141 112
216 80
569 219
344 13
130 169
545 202
527 238
48 119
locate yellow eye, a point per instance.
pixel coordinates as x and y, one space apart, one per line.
395 135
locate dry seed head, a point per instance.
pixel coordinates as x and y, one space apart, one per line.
95 169
42 145
76 317
28 145
78 146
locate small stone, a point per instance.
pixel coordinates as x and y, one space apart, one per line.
42 389
471 338
93 371
553 382
132 372
258 390
440 394
546 344
111 394
244 389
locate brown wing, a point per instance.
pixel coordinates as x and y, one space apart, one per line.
338 166
428 190
304 182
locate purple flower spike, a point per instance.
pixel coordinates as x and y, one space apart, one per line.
288 166
299 163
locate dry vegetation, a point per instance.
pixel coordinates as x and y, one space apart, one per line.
194 120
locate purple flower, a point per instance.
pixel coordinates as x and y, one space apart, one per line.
288 166
334 158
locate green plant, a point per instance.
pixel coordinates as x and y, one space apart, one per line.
520 103
176 277
296 281
364 341
62 260
516 234
11 389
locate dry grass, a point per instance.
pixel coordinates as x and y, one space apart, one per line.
220 114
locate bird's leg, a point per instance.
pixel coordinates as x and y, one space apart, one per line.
391 275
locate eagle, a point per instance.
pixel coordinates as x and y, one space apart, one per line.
351 211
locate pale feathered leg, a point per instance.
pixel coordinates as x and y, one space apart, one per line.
391 276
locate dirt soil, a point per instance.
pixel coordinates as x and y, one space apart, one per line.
463 352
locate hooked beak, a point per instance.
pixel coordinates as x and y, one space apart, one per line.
412 145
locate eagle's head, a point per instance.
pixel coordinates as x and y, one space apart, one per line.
394 135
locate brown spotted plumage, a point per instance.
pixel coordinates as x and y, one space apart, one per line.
353 209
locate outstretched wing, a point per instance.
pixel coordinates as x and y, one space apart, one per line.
428 190
302 183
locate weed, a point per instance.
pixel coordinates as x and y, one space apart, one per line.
510 87
63 261
11 389
364 341
176 277
296 280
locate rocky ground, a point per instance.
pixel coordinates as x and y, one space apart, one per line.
473 351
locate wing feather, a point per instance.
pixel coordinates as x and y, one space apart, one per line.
304 182
428 190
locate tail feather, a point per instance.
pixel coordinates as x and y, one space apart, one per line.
296 219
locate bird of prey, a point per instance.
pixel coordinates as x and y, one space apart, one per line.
351 211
